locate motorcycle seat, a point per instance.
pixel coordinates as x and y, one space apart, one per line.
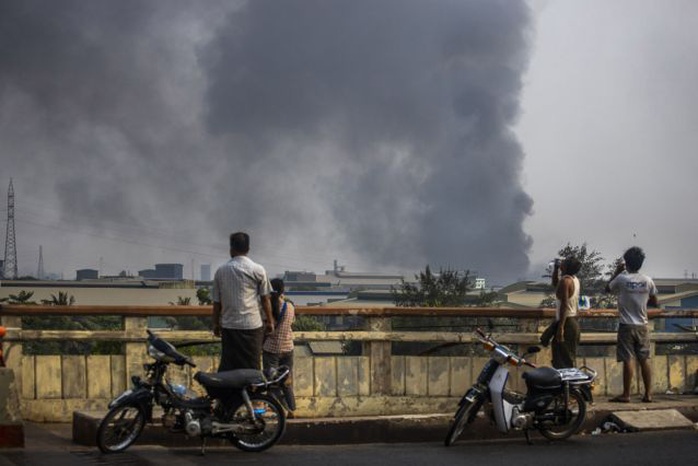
237 378
543 377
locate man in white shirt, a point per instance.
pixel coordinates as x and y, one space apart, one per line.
241 291
635 292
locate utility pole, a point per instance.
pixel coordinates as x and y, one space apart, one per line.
10 239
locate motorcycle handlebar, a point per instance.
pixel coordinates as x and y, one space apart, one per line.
169 349
492 344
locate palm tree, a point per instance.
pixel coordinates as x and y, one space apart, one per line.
63 299
23 297
182 301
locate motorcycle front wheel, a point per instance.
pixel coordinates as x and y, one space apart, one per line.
120 428
465 414
559 421
264 429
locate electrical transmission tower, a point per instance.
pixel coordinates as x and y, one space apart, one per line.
40 274
10 240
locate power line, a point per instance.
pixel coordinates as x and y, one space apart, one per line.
279 259
43 215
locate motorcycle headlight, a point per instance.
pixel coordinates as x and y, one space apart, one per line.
159 355
500 355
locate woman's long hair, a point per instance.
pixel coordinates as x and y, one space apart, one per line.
277 286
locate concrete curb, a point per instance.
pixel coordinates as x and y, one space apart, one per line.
403 429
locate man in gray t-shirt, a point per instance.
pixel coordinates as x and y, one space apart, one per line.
241 292
635 291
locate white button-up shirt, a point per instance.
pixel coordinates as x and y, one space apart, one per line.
238 286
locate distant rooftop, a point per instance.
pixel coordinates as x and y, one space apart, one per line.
113 282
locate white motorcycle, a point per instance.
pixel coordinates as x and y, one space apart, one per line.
554 404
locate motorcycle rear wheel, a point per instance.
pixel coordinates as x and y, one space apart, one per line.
120 428
265 429
557 428
464 415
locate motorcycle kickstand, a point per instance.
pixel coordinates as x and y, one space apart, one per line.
528 436
203 446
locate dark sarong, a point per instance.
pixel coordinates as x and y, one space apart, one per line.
565 353
241 349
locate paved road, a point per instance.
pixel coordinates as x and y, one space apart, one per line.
676 448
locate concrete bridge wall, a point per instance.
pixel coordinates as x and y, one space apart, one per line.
51 387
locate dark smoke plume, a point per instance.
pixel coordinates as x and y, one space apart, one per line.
378 130
396 113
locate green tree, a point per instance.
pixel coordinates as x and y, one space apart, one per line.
448 288
612 267
193 323
187 322
204 296
608 300
488 298
307 324
591 274
592 278
90 323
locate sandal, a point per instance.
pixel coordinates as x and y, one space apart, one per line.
619 399
647 399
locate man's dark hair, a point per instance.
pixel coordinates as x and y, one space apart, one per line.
240 242
572 265
634 258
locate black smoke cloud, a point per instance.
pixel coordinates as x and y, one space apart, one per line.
415 101
378 130
99 110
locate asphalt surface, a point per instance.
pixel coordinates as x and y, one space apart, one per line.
52 444
675 447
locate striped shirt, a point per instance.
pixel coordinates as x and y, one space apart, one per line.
281 339
238 286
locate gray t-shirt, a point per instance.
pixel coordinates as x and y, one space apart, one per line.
238 286
634 289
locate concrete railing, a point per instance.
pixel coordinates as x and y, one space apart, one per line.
376 381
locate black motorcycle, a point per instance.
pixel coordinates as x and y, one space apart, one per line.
554 403
241 406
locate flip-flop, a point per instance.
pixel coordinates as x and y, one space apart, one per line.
619 399
647 400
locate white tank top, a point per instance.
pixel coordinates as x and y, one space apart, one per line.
572 303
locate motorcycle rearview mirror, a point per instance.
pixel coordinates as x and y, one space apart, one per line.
533 350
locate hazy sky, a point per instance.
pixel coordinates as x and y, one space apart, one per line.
610 111
386 134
